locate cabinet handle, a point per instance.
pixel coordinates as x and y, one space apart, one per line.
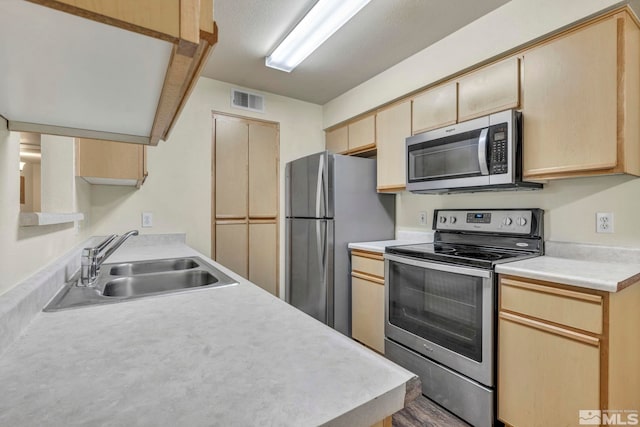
554 330
368 278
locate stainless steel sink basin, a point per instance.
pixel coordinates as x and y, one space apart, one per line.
132 280
145 267
154 283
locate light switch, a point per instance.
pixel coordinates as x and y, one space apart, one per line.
147 219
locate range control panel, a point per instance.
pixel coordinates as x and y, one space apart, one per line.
488 221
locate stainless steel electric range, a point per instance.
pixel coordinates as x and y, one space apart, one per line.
441 304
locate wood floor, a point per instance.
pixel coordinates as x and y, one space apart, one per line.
422 412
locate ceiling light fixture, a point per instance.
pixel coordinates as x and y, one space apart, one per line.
325 18
22 165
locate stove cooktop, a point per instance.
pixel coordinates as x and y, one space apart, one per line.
474 256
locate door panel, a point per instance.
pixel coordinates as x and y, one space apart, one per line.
263 256
263 173
393 125
435 108
306 276
231 247
231 168
307 186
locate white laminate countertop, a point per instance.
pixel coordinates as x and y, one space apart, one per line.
604 276
405 237
231 356
378 246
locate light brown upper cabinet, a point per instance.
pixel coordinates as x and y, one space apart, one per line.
117 70
111 163
581 102
337 140
434 108
392 127
490 89
245 211
356 137
232 169
362 134
263 171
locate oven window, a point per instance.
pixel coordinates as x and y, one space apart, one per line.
453 157
441 307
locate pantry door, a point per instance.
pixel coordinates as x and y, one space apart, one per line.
245 198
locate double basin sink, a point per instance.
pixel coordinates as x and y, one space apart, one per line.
125 281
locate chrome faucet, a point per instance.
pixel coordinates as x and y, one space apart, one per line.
92 258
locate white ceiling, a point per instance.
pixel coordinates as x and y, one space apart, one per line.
384 33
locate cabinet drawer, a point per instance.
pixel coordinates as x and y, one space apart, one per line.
372 265
570 308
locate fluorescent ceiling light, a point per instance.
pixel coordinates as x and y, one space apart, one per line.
324 19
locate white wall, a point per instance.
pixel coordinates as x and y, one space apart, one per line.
570 205
25 250
178 189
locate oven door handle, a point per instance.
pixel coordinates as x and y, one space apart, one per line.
448 268
482 152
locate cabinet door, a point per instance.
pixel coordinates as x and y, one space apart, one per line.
392 127
362 134
231 168
491 89
435 108
231 246
263 171
544 376
263 256
367 308
337 140
570 103
109 160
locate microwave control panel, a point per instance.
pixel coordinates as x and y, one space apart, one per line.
499 149
501 221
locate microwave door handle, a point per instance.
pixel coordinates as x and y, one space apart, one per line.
482 151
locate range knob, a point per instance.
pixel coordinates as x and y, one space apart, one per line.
521 221
507 221
443 219
452 219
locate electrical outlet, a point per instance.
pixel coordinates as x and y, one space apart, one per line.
422 218
147 219
604 222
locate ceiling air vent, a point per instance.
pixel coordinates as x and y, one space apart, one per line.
247 100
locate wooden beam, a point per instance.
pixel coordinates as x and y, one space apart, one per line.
182 76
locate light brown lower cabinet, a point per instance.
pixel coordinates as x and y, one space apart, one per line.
231 246
367 299
263 255
563 349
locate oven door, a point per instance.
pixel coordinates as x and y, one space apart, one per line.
444 312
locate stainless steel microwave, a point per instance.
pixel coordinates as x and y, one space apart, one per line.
483 154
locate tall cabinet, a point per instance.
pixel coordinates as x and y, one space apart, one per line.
245 200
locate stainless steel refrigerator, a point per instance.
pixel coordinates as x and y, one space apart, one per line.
331 200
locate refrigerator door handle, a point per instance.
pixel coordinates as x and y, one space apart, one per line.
320 189
321 242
